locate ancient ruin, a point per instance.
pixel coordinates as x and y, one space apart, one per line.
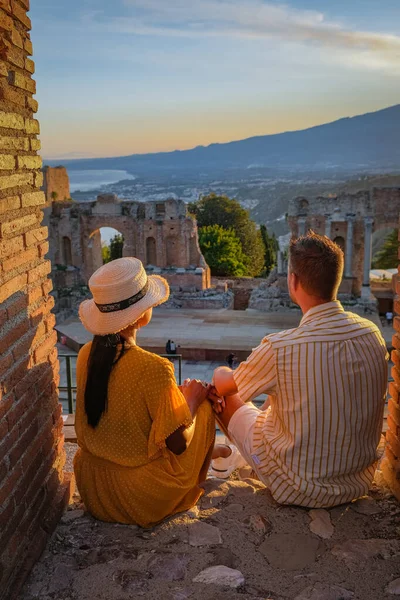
349 220
34 489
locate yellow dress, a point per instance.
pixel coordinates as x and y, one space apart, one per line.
124 471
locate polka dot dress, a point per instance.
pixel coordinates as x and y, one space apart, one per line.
123 469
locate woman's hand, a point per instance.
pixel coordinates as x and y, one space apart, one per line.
217 401
195 393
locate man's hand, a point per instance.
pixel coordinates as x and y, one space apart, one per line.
217 401
224 382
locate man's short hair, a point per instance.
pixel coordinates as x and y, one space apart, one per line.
318 263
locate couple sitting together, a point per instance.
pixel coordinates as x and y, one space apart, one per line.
145 443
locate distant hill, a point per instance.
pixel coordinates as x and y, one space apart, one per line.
369 141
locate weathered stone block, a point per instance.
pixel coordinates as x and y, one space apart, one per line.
12 121
6 22
35 144
8 204
33 199
15 180
7 162
32 104
32 126
28 47
16 38
29 162
18 225
22 82
3 69
29 65
14 143
20 14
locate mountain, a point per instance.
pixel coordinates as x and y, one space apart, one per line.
362 142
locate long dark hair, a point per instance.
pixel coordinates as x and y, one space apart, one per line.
105 352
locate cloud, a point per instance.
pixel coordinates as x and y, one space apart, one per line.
252 19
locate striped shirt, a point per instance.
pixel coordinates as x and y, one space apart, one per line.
316 445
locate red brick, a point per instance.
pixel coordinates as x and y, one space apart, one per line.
5 363
12 228
29 478
23 443
11 287
394 461
20 259
50 322
9 484
5 21
34 293
15 374
43 309
9 204
396 375
11 94
6 514
13 55
28 381
392 425
42 352
6 5
43 249
20 408
396 323
17 331
394 410
25 3
28 47
10 247
36 235
5 405
47 286
394 442
3 317
395 356
20 14
39 272
23 346
18 304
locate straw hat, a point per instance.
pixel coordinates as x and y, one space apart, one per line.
122 292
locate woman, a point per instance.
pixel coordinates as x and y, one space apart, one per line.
144 443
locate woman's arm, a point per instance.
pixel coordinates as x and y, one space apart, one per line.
195 393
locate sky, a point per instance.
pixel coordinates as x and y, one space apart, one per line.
136 76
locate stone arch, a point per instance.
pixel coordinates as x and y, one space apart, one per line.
66 250
172 251
151 251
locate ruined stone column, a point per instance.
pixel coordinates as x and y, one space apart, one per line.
328 226
348 270
302 225
280 262
368 223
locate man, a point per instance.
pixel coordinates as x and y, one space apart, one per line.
389 318
316 445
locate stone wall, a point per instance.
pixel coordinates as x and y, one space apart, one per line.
32 493
391 463
56 184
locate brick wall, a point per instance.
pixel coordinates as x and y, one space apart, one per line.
32 493
391 463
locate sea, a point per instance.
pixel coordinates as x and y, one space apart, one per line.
85 181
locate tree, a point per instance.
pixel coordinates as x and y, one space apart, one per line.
54 196
222 250
387 257
114 250
271 248
229 214
116 246
105 253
